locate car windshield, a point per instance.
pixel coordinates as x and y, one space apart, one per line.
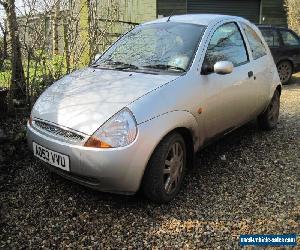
160 47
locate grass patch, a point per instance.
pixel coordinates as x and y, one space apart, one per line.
5 77
39 75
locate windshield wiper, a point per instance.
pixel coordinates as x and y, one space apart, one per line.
116 65
165 67
126 66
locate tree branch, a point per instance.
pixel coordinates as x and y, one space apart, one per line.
1 27
4 4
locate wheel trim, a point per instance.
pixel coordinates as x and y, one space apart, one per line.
173 167
285 71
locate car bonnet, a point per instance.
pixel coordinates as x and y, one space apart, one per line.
85 99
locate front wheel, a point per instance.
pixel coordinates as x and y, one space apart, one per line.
268 120
166 169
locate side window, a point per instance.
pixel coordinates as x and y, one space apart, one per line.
289 38
271 37
256 45
226 44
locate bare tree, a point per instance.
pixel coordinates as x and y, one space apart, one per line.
59 36
293 14
56 19
17 87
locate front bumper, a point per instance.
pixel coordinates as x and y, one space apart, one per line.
117 170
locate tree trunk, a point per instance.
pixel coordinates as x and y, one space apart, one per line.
56 17
84 31
17 86
66 46
4 32
293 14
5 53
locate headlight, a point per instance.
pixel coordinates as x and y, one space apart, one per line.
119 131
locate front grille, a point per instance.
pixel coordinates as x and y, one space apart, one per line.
58 131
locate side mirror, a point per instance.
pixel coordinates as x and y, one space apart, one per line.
223 67
97 56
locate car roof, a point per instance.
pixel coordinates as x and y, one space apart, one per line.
200 19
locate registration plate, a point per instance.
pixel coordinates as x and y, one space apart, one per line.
53 158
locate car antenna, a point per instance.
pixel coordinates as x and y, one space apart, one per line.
172 13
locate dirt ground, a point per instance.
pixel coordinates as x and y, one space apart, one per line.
248 182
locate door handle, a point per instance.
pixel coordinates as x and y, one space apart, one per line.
250 74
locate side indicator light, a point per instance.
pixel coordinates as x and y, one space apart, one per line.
200 111
94 142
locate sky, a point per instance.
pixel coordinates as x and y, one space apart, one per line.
18 4
39 5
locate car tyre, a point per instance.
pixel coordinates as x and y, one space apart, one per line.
166 169
269 118
285 71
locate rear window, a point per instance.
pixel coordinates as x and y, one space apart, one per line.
271 36
289 39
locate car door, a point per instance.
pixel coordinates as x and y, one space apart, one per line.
225 98
262 66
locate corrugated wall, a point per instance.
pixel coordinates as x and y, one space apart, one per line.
245 8
169 7
273 12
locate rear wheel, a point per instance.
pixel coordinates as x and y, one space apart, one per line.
166 169
268 120
285 71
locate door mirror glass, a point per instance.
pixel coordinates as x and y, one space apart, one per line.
223 67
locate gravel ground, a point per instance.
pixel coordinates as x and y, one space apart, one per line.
248 182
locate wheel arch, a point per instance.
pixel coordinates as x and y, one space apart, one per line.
186 134
181 122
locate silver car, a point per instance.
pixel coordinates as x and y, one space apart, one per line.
135 117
